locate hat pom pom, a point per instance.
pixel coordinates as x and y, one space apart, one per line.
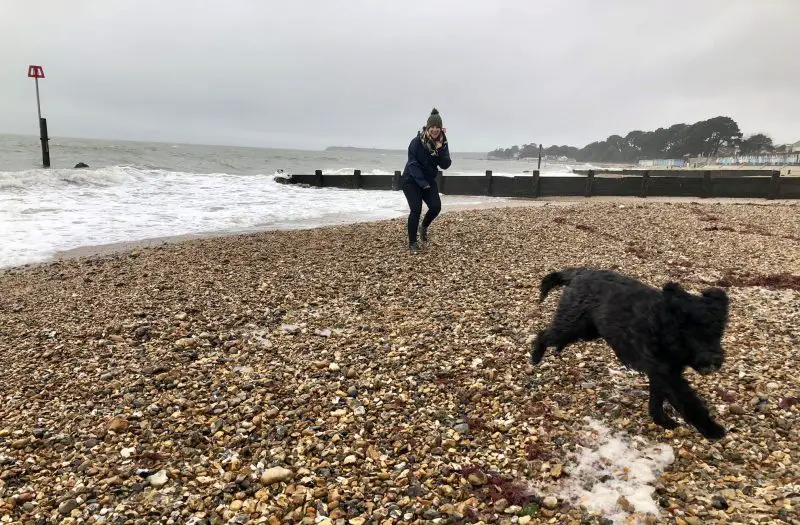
434 111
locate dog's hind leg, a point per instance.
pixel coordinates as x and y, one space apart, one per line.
686 401
657 407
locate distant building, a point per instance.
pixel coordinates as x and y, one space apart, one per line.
795 148
668 163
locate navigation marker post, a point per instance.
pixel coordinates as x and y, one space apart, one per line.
36 72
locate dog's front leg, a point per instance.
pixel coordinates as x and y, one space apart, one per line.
657 407
681 395
538 347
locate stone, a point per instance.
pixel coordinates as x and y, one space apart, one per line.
736 409
461 428
67 507
477 478
275 475
118 424
158 480
718 501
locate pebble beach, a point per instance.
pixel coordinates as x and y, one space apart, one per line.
327 376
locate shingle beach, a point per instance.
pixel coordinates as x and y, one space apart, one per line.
327 376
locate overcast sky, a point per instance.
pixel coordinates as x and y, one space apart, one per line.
313 73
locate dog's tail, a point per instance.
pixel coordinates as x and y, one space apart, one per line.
555 279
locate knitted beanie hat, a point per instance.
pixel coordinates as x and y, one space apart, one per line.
434 119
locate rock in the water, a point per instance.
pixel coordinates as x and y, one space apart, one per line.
81 165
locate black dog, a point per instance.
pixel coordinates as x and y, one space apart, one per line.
657 332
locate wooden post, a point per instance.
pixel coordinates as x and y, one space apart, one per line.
539 164
645 183
396 180
440 180
589 191
319 182
45 142
489 189
775 185
537 185
706 184
359 181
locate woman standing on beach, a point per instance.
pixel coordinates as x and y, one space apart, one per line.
427 153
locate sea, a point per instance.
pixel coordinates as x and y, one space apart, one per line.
136 191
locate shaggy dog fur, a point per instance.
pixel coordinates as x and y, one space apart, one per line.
657 332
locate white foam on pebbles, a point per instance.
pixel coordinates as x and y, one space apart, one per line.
612 474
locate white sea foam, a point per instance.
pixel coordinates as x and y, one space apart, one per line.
614 465
43 212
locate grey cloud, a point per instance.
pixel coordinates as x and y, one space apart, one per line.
314 73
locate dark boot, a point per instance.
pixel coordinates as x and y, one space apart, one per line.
423 234
414 247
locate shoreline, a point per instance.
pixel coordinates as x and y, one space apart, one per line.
91 251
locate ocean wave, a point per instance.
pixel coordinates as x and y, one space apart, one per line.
49 179
37 179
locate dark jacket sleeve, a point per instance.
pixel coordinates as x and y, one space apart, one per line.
444 157
415 151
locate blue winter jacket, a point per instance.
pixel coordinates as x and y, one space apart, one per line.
423 164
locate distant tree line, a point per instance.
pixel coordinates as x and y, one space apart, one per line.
705 138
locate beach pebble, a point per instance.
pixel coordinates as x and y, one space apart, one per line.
550 502
275 475
159 479
67 507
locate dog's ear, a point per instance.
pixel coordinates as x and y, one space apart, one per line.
672 288
716 295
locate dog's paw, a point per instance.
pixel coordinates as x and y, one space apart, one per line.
536 357
713 431
666 422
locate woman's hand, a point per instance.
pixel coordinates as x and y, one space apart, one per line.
440 141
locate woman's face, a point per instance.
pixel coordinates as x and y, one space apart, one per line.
434 132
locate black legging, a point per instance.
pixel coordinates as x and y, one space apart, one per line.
415 195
